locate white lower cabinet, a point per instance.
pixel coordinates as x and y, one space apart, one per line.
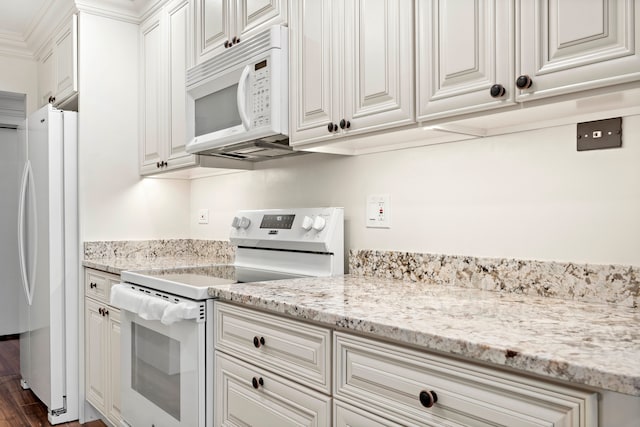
414 388
247 395
270 370
102 346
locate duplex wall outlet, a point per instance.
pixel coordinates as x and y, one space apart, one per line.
378 211
600 134
203 216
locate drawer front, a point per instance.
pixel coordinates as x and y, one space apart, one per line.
276 402
388 379
345 415
96 285
293 349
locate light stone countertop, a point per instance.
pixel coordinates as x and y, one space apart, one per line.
117 265
584 343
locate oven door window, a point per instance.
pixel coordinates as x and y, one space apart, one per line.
217 111
155 368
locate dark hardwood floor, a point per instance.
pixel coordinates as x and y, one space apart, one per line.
20 407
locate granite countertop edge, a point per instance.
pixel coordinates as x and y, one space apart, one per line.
543 363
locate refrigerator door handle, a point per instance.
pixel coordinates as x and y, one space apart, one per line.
27 181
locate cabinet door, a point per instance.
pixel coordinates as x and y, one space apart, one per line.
254 16
378 64
276 402
66 61
152 138
456 69
315 68
45 78
214 20
568 46
113 331
179 58
95 355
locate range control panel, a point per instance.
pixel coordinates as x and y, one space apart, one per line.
313 229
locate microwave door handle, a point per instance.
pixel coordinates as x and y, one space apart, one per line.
242 97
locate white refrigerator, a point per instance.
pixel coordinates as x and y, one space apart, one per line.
49 262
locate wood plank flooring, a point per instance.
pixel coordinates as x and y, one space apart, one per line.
18 407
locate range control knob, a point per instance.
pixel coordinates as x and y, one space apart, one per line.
236 222
319 223
307 223
244 222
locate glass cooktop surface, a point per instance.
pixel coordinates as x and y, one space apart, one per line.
194 282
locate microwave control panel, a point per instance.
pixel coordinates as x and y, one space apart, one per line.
260 94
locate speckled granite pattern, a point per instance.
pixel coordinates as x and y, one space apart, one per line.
117 256
584 343
611 284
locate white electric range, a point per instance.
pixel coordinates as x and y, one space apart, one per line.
167 315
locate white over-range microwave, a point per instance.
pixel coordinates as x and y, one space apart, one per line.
237 102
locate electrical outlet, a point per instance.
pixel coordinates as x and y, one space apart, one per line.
203 216
378 211
600 134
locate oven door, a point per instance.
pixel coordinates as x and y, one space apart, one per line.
163 372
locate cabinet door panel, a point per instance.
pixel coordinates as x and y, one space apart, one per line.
45 78
95 353
256 15
276 403
66 61
568 46
213 27
315 65
152 137
179 48
456 68
378 63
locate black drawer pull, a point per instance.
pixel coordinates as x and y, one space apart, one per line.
257 382
428 398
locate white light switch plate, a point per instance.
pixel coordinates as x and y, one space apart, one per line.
203 216
378 211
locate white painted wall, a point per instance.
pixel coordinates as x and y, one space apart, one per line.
115 203
10 282
529 196
20 75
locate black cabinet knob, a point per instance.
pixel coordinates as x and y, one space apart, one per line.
158 165
226 44
93 285
100 311
497 91
165 164
524 82
257 382
257 342
345 124
105 312
428 398
330 127
235 40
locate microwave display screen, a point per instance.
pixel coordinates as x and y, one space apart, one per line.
278 222
260 65
217 111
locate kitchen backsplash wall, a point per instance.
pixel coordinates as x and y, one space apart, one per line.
528 195
612 284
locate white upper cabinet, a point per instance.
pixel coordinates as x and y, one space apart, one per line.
166 54
464 51
351 68
221 24
58 66
572 45
475 55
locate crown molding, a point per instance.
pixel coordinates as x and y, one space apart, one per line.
52 16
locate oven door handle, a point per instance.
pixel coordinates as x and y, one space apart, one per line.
150 307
